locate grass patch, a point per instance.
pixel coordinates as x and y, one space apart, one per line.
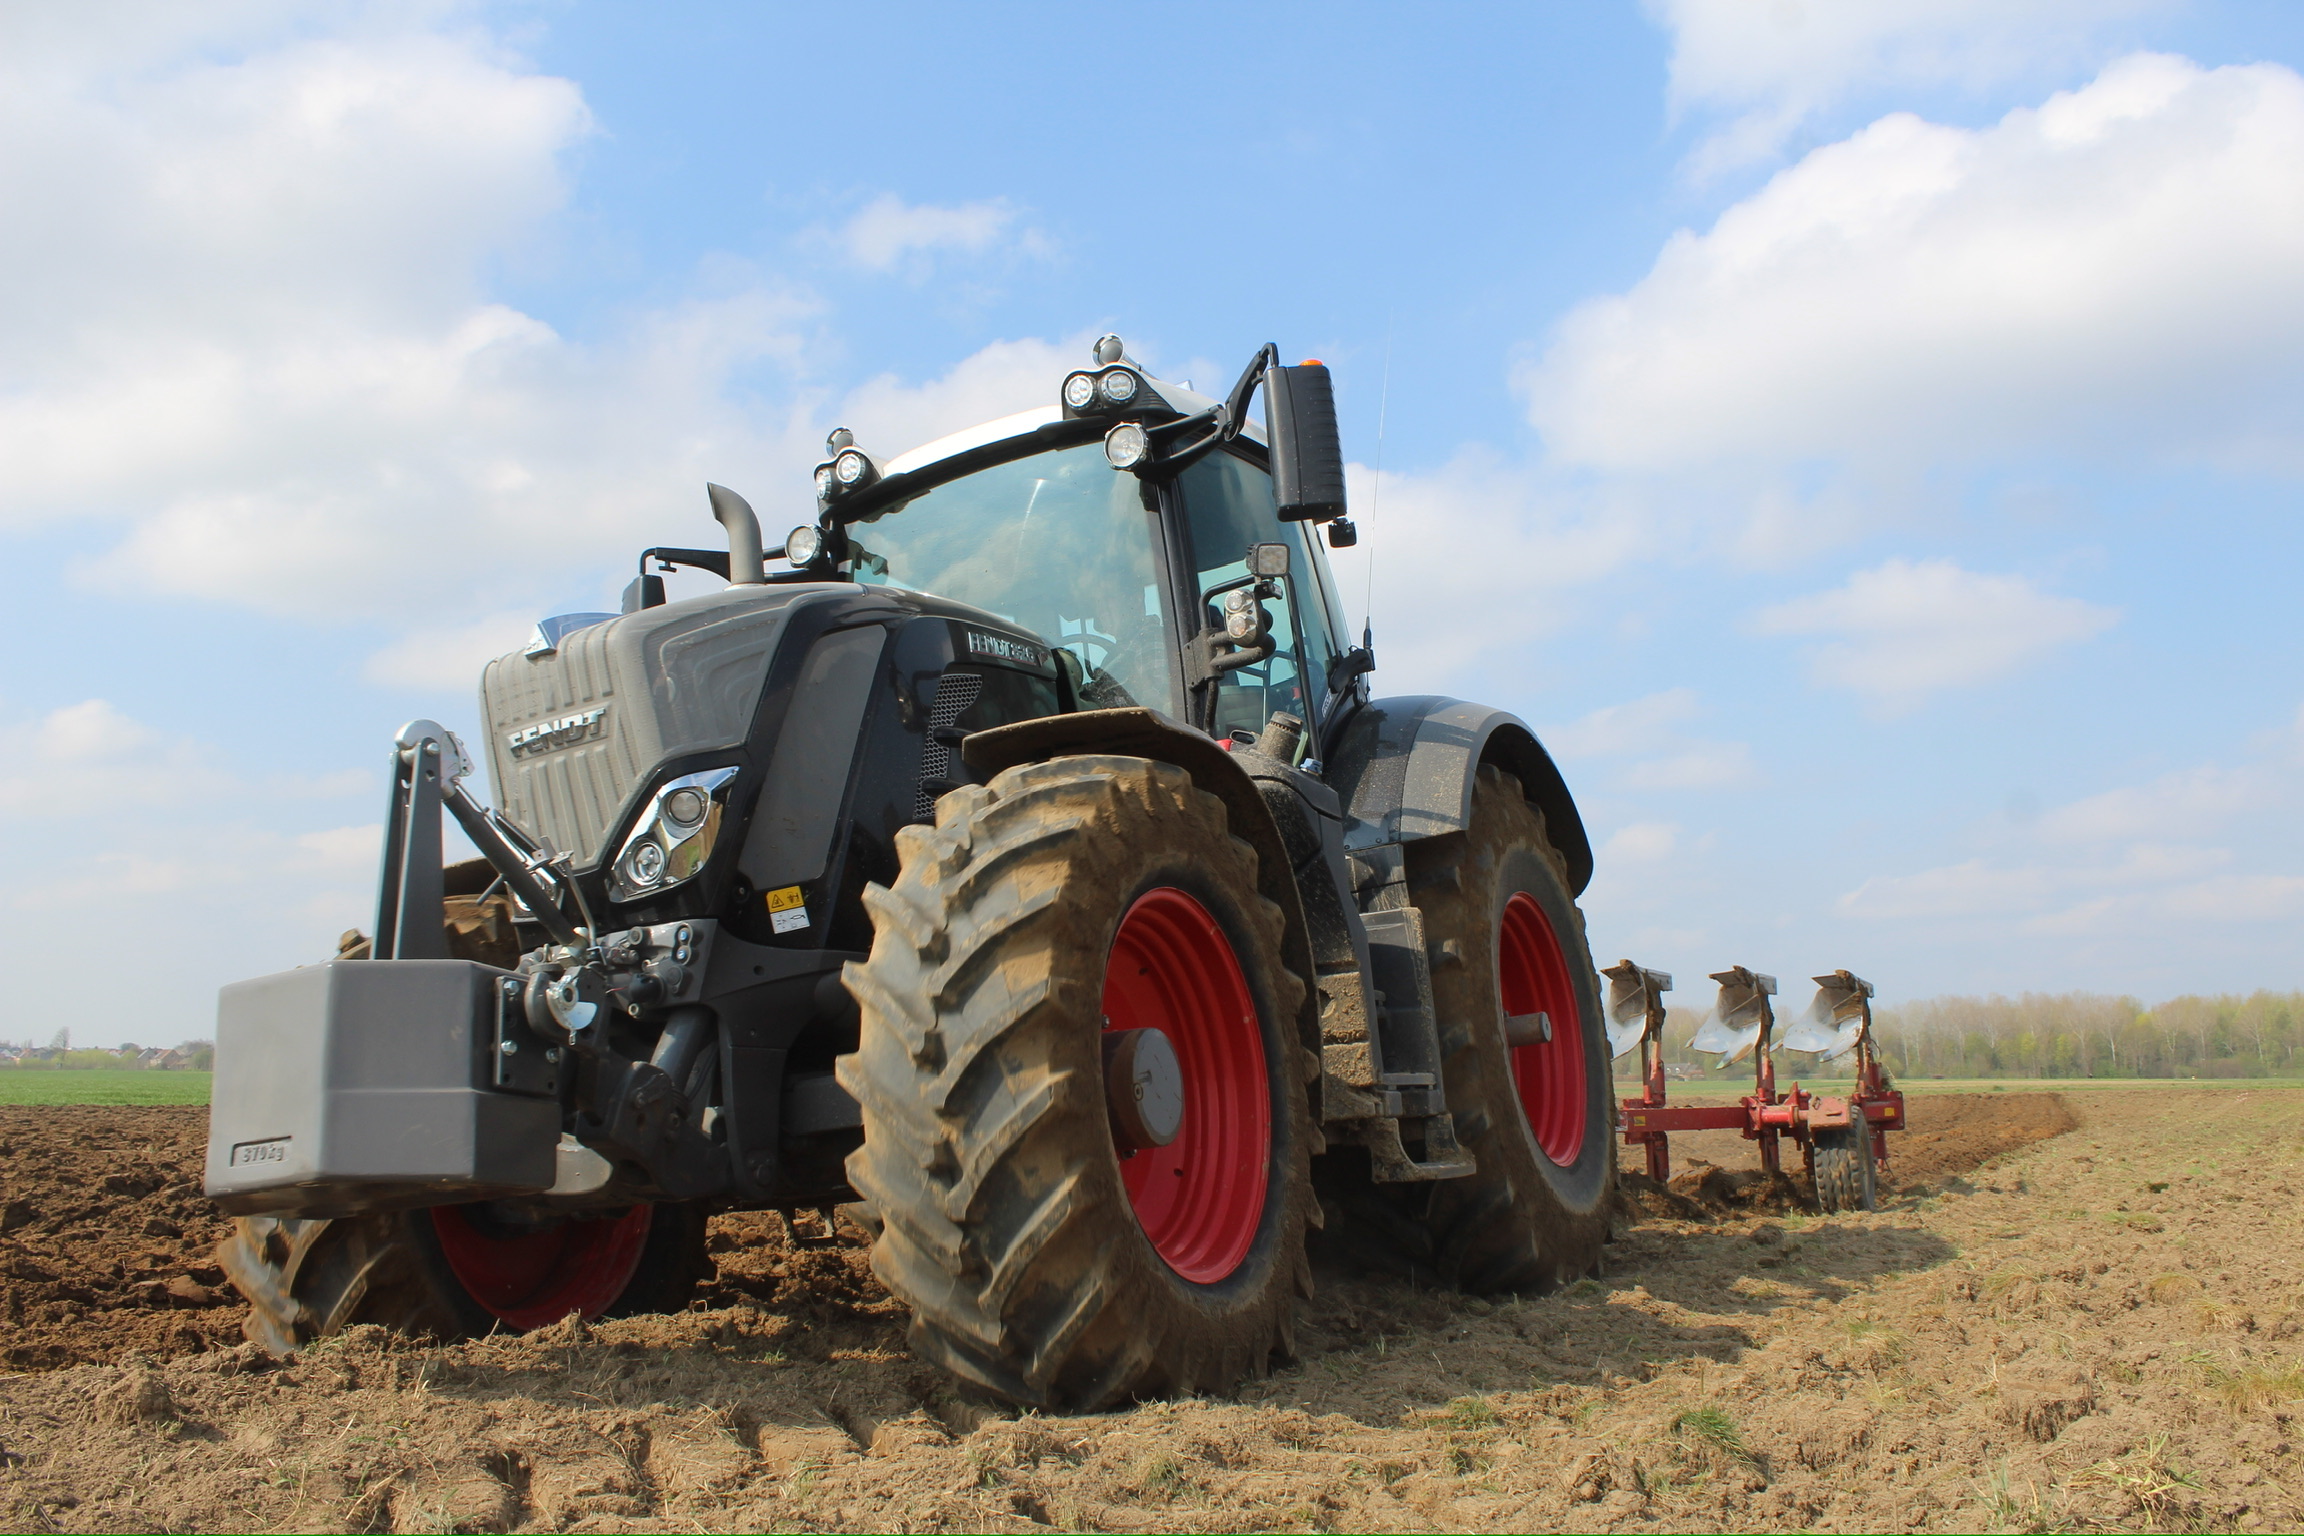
1160 1475
1472 1413
1711 1427
2256 1386
102 1085
2146 1476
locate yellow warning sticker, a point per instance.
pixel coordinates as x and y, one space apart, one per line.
787 913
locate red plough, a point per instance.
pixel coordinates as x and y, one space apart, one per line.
1842 1140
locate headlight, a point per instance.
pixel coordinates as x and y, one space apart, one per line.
673 837
643 865
1126 445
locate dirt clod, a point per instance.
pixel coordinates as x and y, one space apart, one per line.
139 1396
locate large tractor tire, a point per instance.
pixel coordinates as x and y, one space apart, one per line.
1506 938
1846 1179
455 1271
1063 903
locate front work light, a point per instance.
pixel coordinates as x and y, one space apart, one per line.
1127 446
851 467
803 544
673 837
1118 386
1080 390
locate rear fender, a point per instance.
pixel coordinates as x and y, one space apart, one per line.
1405 769
1142 733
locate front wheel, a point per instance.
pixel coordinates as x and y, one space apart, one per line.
1086 1133
457 1271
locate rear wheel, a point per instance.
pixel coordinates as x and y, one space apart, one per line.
1845 1177
1507 941
459 1270
1051 1247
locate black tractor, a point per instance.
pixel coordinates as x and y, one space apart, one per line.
1021 866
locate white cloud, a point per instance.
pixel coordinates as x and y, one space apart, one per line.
1649 730
219 868
1906 629
889 415
1775 67
344 848
2171 862
264 348
2196 802
1478 535
1699 765
90 754
449 656
2118 273
1642 842
91 731
1641 725
888 232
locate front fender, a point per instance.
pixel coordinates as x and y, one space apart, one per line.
1405 768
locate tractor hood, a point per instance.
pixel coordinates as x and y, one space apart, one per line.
572 731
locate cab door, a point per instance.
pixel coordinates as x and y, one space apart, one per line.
1227 506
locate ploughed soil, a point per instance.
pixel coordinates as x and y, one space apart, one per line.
2066 1314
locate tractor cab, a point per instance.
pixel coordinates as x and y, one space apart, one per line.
1121 524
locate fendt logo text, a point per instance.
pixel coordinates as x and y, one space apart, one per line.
566 731
1005 648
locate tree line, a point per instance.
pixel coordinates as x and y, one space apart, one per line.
2046 1035
2089 1034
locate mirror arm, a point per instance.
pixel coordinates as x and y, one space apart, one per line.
1236 403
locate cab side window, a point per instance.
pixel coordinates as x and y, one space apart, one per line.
1228 506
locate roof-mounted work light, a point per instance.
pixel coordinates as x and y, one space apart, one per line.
849 469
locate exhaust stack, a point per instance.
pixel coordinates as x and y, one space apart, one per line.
746 565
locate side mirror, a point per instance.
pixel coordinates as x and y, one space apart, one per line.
1307 455
643 591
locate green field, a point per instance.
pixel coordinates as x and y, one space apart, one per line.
101 1085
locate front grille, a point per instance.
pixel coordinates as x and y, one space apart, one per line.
572 733
955 691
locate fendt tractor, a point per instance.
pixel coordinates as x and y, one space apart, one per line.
1025 872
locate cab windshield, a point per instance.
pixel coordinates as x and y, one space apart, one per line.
1058 543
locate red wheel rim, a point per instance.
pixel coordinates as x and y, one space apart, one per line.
529 1279
1532 972
1200 1198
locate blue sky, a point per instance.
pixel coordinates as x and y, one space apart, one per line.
1862 438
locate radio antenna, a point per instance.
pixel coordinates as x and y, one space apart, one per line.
1376 492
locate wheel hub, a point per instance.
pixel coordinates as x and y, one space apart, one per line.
1143 1088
